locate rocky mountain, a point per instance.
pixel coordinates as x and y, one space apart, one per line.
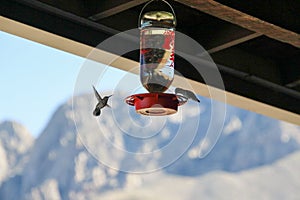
248 140
76 160
278 181
15 143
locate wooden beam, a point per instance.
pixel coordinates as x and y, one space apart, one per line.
293 84
116 10
233 43
244 20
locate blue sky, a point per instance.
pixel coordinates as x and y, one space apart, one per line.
35 80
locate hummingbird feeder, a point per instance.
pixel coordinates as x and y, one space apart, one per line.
157 42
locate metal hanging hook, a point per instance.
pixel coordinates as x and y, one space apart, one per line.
173 12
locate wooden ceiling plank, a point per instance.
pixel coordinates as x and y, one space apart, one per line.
244 20
233 43
293 84
116 10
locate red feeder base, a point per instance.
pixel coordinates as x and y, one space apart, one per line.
156 104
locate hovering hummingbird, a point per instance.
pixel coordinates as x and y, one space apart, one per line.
101 103
188 94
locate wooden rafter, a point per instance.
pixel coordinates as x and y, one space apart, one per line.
116 10
233 43
244 20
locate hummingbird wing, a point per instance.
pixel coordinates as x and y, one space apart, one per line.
97 94
180 91
192 96
187 93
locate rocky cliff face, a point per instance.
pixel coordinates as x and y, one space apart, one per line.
15 144
60 166
281 180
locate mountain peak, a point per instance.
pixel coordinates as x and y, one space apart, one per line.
15 142
15 136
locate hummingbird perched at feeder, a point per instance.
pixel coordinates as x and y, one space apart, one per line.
102 102
187 93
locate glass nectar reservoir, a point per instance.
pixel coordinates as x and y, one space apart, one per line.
157 42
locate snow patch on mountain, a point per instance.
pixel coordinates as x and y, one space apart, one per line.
3 164
289 132
15 143
278 181
234 125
